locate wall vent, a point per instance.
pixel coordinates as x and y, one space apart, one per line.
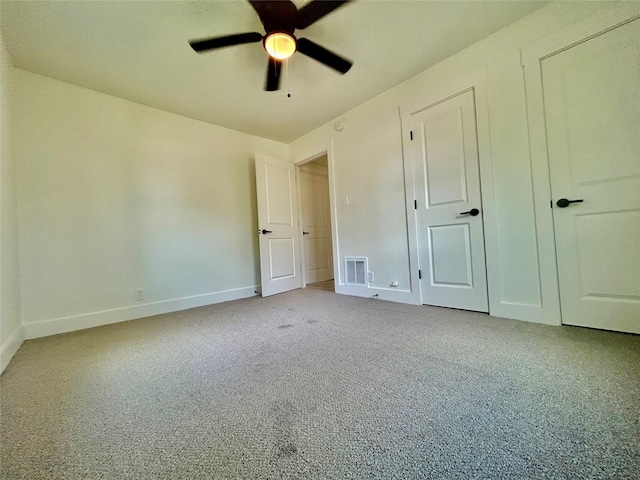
356 271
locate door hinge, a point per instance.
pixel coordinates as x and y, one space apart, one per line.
411 135
550 203
415 204
420 274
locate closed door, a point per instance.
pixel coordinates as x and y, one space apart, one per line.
448 206
277 226
592 114
316 223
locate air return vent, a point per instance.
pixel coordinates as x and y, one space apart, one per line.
356 269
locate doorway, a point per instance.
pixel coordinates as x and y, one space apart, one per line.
315 223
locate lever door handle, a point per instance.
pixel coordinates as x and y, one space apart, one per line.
473 212
564 202
305 233
264 232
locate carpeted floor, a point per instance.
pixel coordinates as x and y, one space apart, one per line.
326 285
310 384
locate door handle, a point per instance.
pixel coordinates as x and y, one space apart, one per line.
305 233
564 202
264 232
473 212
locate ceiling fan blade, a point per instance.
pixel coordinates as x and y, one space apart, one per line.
315 10
205 44
258 6
321 54
273 75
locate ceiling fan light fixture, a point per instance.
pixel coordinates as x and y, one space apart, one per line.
280 45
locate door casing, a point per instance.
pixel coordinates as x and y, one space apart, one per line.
477 82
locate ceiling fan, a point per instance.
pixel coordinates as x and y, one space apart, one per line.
280 19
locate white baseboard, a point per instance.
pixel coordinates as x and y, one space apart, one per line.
95 319
389 294
9 348
512 311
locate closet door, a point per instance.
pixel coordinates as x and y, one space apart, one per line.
592 119
444 146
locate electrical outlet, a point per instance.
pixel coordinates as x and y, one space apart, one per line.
370 277
139 294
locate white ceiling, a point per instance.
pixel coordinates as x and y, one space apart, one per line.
138 50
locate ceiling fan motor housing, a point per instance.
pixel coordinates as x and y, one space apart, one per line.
277 16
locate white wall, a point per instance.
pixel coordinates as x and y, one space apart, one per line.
115 196
11 332
367 163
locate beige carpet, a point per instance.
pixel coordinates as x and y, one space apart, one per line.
310 384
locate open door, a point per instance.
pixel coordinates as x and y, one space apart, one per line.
277 226
315 216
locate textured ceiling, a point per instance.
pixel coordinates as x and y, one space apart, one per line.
139 51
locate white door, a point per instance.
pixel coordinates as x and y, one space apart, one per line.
277 225
449 212
592 114
316 223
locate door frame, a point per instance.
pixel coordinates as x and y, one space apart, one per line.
477 82
531 59
332 211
